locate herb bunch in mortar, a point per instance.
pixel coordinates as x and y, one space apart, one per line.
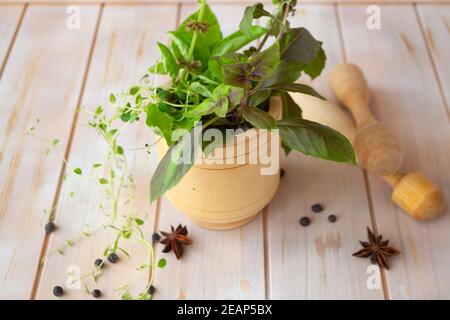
224 82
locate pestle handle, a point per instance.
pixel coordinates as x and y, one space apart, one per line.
350 86
377 149
412 192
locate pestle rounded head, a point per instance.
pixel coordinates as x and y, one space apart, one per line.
418 196
377 150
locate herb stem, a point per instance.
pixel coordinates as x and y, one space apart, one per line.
194 38
285 16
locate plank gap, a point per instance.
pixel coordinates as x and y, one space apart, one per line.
432 62
266 255
13 40
373 219
66 155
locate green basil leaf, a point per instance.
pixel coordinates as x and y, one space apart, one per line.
200 89
259 118
237 40
172 167
315 67
259 97
291 110
220 100
168 60
235 96
237 75
286 149
299 45
180 44
215 64
316 140
298 87
160 122
206 39
264 63
204 108
255 11
285 72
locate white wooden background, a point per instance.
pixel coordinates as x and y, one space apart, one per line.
46 71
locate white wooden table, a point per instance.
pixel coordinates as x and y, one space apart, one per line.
48 70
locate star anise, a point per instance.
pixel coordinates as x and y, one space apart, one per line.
377 249
175 240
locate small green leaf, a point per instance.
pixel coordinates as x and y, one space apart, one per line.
139 222
77 171
96 165
103 181
259 118
119 150
126 296
168 60
112 99
162 263
144 296
317 140
134 90
55 142
158 68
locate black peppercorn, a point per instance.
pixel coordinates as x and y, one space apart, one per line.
151 290
113 258
332 218
316 208
304 221
96 293
282 173
99 263
50 227
156 237
58 291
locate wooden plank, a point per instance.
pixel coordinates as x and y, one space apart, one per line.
9 23
219 264
406 98
436 26
39 81
316 262
125 47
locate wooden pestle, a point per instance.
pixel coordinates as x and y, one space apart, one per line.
376 148
412 192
